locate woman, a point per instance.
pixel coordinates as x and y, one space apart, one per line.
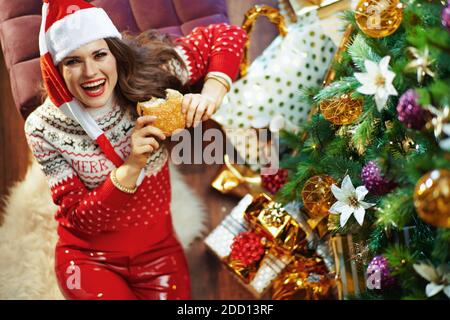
106 167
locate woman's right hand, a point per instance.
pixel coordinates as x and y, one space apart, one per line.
144 141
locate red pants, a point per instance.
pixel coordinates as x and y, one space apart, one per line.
158 272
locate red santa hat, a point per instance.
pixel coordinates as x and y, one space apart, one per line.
66 26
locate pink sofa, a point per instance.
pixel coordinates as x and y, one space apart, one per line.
20 21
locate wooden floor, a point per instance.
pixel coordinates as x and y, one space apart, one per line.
210 280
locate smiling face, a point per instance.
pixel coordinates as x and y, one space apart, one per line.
90 73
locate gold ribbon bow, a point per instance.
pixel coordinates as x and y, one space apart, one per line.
237 180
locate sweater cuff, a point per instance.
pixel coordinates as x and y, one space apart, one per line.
225 64
111 196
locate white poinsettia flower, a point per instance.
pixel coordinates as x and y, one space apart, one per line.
377 81
439 278
349 201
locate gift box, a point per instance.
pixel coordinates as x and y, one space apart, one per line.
350 256
266 99
256 241
221 238
305 278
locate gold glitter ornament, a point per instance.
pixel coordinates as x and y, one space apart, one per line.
317 195
432 198
379 18
341 110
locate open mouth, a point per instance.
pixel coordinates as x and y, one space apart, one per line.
94 89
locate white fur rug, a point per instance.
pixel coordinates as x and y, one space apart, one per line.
28 234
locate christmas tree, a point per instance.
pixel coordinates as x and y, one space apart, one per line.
377 150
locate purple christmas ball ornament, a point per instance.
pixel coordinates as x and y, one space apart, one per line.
410 112
374 181
446 16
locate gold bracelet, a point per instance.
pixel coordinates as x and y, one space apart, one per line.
220 80
117 184
218 76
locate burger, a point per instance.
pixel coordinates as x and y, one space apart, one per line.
169 117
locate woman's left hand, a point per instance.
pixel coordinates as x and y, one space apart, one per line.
200 107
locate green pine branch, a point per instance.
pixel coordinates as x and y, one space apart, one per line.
360 51
396 208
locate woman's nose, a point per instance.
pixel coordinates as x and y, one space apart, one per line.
90 68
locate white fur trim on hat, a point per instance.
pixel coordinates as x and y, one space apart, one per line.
42 41
78 29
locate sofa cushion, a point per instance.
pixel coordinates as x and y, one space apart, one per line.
17 8
121 13
12 35
26 85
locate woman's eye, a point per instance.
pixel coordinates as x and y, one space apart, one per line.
70 62
100 55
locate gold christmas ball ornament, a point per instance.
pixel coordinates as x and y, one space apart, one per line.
432 198
317 196
342 110
379 18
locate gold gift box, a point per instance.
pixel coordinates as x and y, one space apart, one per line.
273 221
305 278
350 257
281 233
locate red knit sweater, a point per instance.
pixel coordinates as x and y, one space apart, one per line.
78 171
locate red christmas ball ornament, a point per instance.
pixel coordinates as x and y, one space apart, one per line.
274 182
247 248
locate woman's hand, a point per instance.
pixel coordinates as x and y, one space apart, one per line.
144 141
200 107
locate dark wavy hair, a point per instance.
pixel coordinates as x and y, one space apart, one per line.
140 67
